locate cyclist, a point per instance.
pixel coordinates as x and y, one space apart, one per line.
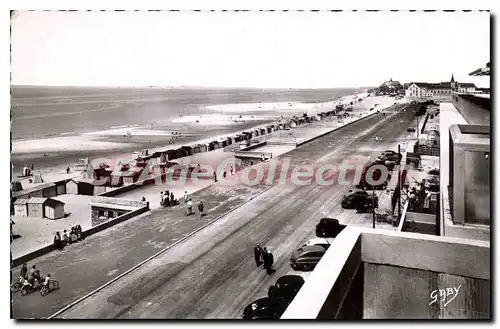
47 281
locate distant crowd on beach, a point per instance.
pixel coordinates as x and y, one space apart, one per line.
76 234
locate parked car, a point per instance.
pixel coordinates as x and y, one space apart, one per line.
265 308
306 258
390 155
286 287
322 242
328 228
355 198
411 130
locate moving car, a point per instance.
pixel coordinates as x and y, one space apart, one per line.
306 258
265 308
328 228
356 198
286 287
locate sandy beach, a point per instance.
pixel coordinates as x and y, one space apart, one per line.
212 121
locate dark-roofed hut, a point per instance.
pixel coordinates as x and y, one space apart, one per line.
229 140
170 155
180 152
196 148
238 138
256 132
188 150
54 209
262 131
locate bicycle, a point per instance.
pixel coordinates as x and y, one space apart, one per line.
46 289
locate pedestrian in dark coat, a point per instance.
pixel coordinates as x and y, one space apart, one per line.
200 208
257 252
268 261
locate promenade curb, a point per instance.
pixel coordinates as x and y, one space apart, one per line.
189 235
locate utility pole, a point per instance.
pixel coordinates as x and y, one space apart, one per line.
399 181
373 205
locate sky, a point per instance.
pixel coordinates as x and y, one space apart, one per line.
247 49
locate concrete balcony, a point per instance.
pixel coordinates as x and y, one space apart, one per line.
465 167
378 274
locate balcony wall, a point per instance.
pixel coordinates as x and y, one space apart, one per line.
399 271
475 109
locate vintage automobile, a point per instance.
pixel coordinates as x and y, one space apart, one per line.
306 258
323 242
265 309
328 228
286 287
356 198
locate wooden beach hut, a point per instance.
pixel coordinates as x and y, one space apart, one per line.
197 149
180 153
35 207
71 187
223 142
21 207
204 147
170 154
86 186
229 140
49 191
54 209
60 187
237 138
116 178
188 150
256 133
262 131
273 128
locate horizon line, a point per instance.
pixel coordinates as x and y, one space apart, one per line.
186 86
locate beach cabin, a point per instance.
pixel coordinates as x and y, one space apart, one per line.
16 186
35 207
256 133
54 209
204 147
229 140
237 138
269 129
86 186
21 207
188 150
179 153
71 187
211 145
223 143
293 123
60 187
262 131
49 191
197 149
170 154
117 178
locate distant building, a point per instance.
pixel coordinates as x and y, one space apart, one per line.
424 89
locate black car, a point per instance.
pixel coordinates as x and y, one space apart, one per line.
329 228
286 287
265 308
410 130
356 198
390 155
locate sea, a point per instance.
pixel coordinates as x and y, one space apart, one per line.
44 112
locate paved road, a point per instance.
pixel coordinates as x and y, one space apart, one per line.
191 279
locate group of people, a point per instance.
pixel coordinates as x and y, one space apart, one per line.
167 199
189 202
224 173
76 234
264 257
27 278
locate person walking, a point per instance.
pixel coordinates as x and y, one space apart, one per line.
189 210
215 177
57 241
65 238
172 199
186 197
161 198
224 174
257 253
232 170
200 208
